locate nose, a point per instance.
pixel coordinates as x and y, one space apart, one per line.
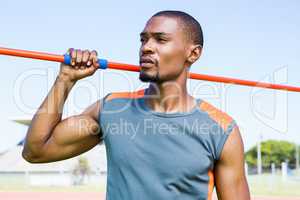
147 47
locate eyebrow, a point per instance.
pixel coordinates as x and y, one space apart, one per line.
156 34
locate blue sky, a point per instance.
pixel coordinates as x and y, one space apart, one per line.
256 40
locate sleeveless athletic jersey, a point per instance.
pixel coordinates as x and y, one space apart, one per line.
159 156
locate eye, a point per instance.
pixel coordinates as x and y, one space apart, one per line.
142 39
161 40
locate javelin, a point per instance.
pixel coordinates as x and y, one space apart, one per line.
104 64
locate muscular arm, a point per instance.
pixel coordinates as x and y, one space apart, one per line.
231 183
49 138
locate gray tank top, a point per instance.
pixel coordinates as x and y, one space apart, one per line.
159 156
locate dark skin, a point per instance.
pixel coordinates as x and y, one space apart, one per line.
171 54
166 55
166 44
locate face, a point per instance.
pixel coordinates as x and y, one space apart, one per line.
163 51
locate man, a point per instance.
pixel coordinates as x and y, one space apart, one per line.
161 142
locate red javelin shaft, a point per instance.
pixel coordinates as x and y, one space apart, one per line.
135 68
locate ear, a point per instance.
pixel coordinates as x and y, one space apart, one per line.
195 52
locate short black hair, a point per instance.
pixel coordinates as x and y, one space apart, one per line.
190 25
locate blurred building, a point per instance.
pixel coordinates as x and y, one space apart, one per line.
55 173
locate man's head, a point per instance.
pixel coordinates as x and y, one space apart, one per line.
170 43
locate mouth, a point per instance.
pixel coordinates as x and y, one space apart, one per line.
146 62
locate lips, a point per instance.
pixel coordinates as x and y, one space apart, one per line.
146 61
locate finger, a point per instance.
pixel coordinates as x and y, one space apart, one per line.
94 58
70 50
73 57
90 60
85 58
89 71
78 57
89 63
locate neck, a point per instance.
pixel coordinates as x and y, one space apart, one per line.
170 96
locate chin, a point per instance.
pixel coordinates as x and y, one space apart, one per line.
145 77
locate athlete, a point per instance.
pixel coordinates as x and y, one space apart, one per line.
161 142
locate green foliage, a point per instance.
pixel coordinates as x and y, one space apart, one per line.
273 151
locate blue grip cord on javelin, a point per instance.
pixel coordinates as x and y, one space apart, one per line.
103 64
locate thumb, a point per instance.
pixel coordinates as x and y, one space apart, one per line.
88 71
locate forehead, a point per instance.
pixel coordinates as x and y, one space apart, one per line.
162 24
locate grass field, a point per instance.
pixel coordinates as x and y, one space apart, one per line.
268 185
264 187
17 182
88 196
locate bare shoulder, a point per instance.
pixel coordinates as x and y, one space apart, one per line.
231 182
93 110
233 147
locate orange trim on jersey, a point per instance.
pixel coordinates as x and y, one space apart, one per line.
211 185
217 115
128 95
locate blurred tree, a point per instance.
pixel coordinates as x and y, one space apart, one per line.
273 151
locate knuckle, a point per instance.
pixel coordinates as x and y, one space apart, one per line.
86 53
94 52
73 54
70 50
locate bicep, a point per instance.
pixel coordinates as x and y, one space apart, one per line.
230 176
73 136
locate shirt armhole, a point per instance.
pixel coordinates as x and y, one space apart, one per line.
101 108
224 138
